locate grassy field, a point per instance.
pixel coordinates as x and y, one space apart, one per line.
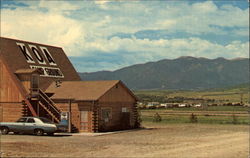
210 115
233 94
205 114
209 108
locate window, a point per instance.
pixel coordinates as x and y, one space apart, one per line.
22 120
34 81
31 120
125 109
106 114
45 120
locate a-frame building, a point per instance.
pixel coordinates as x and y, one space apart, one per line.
26 71
39 80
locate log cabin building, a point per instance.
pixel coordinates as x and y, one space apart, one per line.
39 80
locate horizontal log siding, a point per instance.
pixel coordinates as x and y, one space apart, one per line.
10 112
8 90
116 112
116 98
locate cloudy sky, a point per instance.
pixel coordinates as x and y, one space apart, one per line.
108 35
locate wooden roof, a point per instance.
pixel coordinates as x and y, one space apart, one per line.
27 71
11 52
82 90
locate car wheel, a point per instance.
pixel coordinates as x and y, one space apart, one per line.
38 132
4 130
50 134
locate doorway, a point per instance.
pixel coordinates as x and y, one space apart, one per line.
85 121
34 84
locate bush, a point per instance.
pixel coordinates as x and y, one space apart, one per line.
157 118
138 120
193 118
235 119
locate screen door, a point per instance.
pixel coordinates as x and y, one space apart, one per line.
84 121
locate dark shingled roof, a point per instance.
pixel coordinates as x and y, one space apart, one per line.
81 90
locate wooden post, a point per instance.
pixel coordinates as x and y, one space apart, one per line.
1 114
37 107
69 117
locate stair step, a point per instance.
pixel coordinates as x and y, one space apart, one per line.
51 114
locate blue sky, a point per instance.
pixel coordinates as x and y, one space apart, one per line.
108 35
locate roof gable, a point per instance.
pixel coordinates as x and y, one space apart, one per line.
81 90
51 60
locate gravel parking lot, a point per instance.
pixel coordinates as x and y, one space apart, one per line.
175 140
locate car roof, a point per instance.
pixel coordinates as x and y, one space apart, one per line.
32 117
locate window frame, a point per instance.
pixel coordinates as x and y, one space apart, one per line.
102 113
27 121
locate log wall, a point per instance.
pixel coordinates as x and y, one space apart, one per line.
10 97
25 80
8 90
117 98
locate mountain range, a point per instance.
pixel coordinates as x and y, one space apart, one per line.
184 73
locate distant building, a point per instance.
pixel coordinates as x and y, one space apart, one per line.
182 105
197 105
152 104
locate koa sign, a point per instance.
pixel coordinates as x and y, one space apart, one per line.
41 57
48 71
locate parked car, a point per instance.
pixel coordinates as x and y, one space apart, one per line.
29 125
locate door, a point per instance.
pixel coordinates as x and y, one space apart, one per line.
19 125
85 121
30 125
34 84
125 120
35 81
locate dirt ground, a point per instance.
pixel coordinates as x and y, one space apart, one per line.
173 141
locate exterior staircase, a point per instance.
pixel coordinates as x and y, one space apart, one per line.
49 106
41 100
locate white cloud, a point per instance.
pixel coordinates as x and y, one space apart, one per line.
157 49
56 6
102 4
207 7
203 17
82 29
45 27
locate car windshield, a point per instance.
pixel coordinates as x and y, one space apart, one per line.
45 120
22 120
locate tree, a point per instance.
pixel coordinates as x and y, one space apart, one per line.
157 118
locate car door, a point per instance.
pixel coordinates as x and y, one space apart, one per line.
18 126
29 125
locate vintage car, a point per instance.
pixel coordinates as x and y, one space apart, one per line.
29 125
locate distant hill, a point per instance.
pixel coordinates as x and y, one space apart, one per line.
184 73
